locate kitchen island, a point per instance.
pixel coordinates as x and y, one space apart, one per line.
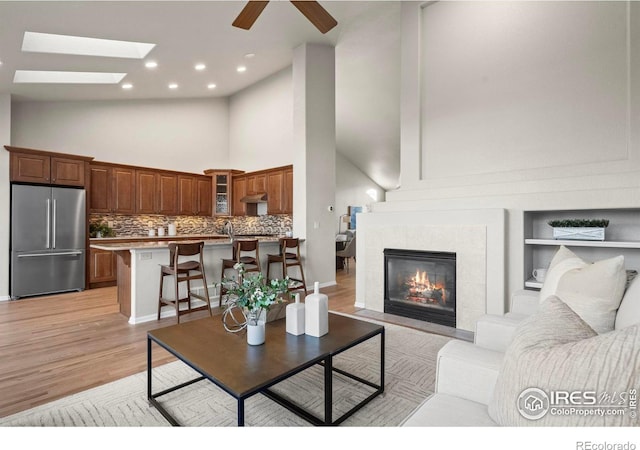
139 272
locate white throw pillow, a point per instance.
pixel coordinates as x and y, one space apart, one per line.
554 351
592 290
629 311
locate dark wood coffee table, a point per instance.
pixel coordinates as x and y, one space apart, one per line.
243 370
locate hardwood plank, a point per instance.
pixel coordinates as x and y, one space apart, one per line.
54 346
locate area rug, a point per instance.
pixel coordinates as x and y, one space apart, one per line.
410 364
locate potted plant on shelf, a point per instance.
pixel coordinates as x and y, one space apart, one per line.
254 296
100 229
579 229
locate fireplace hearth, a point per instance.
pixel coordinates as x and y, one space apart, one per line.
420 285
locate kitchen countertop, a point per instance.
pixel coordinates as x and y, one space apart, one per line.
132 243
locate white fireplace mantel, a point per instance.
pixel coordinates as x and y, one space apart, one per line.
476 236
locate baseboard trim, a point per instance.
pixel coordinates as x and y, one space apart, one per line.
5 298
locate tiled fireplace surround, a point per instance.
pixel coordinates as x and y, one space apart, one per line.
476 236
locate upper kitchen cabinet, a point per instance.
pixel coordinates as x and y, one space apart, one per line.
167 193
194 195
288 190
256 183
112 189
280 190
156 192
223 192
42 167
239 188
204 203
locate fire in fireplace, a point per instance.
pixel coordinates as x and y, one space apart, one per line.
421 285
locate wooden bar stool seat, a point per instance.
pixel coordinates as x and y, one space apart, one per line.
186 271
245 251
289 256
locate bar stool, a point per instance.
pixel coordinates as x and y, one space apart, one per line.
245 251
184 272
289 256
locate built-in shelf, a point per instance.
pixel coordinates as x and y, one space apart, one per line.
576 243
533 283
540 247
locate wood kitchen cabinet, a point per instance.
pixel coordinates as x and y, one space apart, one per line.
167 193
222 190
287 195
204 203
112 189
186 195
275 191
280 190
156 192
256 184
194 195
146 192
102 268
35 166
239 188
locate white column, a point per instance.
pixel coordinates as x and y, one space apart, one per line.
314 143
5 139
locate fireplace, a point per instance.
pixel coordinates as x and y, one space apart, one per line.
420 285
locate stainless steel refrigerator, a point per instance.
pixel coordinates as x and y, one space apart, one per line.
48 240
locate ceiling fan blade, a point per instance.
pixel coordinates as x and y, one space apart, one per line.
316 14
249 14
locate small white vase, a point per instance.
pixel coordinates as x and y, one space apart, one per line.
255 334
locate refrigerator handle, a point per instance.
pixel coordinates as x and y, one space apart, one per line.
48 222
53 225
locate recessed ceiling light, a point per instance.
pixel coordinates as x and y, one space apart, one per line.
77 45
200 66
211 86
249 55
151 64
59 77
173 86
242 69
127 86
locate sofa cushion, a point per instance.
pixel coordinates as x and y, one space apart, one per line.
555 351
593 291
629 311
442 410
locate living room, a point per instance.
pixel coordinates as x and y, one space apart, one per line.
510 113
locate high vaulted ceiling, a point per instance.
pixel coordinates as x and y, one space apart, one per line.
367 41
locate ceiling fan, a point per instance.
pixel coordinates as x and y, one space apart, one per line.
312 10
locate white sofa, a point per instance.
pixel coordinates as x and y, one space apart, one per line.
467 372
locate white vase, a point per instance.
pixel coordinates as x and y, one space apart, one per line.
255 334
255 328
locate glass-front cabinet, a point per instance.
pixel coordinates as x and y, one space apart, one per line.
222 192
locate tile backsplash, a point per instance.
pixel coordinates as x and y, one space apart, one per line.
139 225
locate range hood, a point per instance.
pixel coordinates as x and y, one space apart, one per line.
255 198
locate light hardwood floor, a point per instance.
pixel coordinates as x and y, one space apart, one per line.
54 346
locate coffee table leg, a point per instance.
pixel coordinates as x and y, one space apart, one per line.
328 390
148 368
240 412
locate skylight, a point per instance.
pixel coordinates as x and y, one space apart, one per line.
76 45
59 77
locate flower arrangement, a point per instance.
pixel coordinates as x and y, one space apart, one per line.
254 294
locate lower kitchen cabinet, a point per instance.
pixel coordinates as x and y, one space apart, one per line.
102 268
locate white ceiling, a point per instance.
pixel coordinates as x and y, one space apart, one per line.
367 41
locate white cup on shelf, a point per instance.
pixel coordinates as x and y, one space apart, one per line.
152 232
539 274
160 231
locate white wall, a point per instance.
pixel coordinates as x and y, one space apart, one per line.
5 139
261 124
599 164
186 135
351 189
